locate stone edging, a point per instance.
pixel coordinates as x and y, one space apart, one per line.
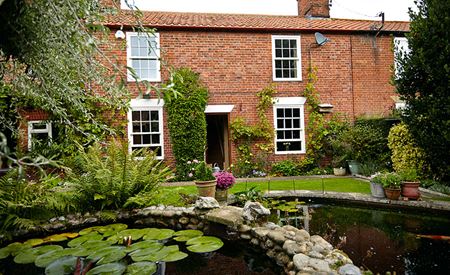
293 249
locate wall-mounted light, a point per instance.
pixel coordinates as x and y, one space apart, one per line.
120 34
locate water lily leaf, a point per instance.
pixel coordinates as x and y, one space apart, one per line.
25 257
112 257
162 253
78 251
34 242
135 234
184 235
13 249
88 230
110 269
95 244
143 245
82 239
141 268
174 256
158 234
55 238
46 259
70 235
112 229
204 244
146 254
107 252
64 265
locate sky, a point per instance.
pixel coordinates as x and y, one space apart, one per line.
395 10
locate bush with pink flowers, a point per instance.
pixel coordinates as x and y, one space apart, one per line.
225 180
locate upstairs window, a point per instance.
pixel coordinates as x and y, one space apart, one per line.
145 125
143 56
39 132
289 125
286 55
401 48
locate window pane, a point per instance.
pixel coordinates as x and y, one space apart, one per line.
280 112
146 139
285 73
296 112
296 123
285 52
136 127
135 64
278 74
296 134
288 123
277 43
41 137
137 139
283 146
155 139
136 116
286 43
278 53
280 123
288 112
293 73
295 146
134 51
134 41
285 64
155 127
293 53
156 149
293 43
278 64
145 116
293 64
287 134
280 135
39 126
145 126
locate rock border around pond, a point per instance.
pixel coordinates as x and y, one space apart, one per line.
292 248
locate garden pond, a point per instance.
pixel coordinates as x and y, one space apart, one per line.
381 240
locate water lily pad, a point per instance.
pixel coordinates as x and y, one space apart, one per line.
13 249
110 269
185 235
174 256
204 244
55 238
82 239
141 268
158 234
70 235
146 254
29 255
34 242
135 234
108 253
95 244
162 253
46 259
64 265
112 229
143 245
78 251
93 229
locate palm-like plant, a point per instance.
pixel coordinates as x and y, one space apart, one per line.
109 176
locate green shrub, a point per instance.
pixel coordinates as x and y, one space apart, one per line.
285 168
405 153
186 119
108 177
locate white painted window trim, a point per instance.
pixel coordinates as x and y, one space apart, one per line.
213 109
146 105
290 102
31 131
299 57
157 52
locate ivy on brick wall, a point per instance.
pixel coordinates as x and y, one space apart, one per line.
260 136
186 119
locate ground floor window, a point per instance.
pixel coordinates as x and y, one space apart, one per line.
39 132
145 125
289 125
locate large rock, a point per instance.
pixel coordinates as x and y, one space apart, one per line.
206 203
319 265
292 247
301 261
349 269
302 236
254 211
318 240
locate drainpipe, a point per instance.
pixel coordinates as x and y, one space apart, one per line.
382 23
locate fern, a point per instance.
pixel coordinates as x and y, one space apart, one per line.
108 177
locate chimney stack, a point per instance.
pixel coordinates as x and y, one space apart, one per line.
314 8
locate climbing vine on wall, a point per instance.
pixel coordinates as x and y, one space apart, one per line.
254 142
186 119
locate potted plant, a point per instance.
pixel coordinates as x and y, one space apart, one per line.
339 164
225 181
410 183
391 183
203 177
376 186
339 156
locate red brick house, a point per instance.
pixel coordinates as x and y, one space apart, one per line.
238 55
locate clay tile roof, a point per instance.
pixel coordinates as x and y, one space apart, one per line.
250 22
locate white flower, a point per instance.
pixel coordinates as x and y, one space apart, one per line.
190 175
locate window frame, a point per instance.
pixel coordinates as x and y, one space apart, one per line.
31 131
401 45
146 105
299 57
290 102
130 58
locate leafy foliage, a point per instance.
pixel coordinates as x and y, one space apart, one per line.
186 119
106 178
285 168
251 138
423 82
406 155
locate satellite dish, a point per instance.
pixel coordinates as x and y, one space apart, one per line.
320 39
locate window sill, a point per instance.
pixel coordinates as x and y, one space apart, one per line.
287 79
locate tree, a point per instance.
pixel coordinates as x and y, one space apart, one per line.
423 81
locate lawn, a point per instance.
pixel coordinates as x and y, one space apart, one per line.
348 185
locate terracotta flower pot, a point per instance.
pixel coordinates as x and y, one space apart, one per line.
221 195
410 190
392 193
206 188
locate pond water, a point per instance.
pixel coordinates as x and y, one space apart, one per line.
380 240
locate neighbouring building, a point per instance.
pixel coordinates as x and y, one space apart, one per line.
238 55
